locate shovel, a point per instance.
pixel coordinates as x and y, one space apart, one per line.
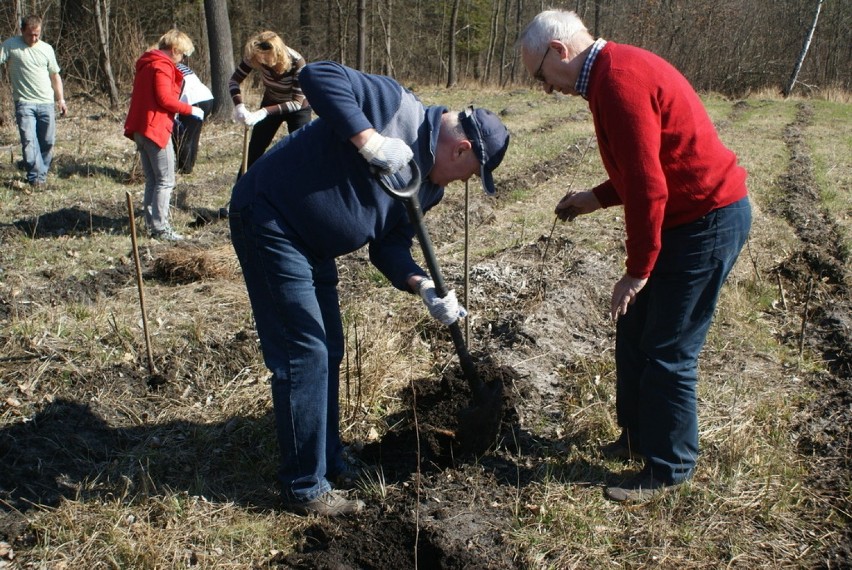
479 423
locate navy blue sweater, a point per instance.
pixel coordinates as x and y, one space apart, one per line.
317 188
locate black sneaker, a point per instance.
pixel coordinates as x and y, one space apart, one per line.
639 488
330 504
622 449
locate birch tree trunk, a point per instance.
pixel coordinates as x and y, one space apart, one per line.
102 9
807 44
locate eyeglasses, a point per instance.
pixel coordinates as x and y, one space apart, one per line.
538 75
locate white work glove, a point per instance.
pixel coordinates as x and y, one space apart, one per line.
387 154
447 309
198 113
240 113
254 118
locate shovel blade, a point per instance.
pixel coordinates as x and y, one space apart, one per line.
480 423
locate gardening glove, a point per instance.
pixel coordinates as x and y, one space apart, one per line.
254 118
240 113
387 154
444 309
198 113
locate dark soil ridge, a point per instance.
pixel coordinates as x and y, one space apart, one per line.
820 280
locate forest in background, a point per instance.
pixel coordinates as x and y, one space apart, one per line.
731 47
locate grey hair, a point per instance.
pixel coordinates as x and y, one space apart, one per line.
550 25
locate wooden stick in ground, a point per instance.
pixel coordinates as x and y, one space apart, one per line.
466 299
152 370
244 163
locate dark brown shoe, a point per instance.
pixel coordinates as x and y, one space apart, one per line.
622 449
330 504
639 488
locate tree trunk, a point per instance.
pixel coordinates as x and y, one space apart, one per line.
102 25
221 50
387 23
361 56
492 40
305 31
597 18
807 44
451 58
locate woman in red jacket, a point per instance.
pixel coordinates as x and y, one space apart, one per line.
150 120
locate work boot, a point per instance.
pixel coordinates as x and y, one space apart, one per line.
638 488
329 504
622 448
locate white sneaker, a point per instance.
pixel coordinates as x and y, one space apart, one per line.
167 234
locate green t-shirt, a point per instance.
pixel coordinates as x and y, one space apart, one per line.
30 68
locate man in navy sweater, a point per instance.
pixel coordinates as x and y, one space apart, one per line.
314 197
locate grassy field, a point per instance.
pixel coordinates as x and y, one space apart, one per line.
103 471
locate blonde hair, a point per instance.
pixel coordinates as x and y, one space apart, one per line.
176 41
267 48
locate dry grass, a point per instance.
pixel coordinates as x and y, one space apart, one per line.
195 263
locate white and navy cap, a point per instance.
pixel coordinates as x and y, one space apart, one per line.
489 138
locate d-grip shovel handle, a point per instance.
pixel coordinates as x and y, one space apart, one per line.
408 196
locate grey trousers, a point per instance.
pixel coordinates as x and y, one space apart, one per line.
158 165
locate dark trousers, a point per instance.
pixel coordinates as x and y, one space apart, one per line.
185 138
263 132
660 337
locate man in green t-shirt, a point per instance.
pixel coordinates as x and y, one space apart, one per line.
36 84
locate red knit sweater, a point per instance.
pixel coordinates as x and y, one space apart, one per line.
665 161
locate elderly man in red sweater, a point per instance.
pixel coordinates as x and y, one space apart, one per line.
687 216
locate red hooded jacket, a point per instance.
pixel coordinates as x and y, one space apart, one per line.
155 98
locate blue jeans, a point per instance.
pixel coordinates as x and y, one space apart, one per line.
297 314
37 129
659 339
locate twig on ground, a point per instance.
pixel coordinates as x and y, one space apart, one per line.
781 291
805 319
753 261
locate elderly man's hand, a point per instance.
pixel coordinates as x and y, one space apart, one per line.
575 203
445 309
624 293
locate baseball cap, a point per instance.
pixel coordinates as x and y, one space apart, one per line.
489 138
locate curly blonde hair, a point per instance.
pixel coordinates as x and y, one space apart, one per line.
267 48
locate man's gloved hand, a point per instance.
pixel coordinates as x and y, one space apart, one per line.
254 118
447 309
198 113
387 154
240 113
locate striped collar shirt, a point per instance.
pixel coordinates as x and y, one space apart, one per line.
582 85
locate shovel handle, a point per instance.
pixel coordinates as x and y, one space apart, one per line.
408 196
